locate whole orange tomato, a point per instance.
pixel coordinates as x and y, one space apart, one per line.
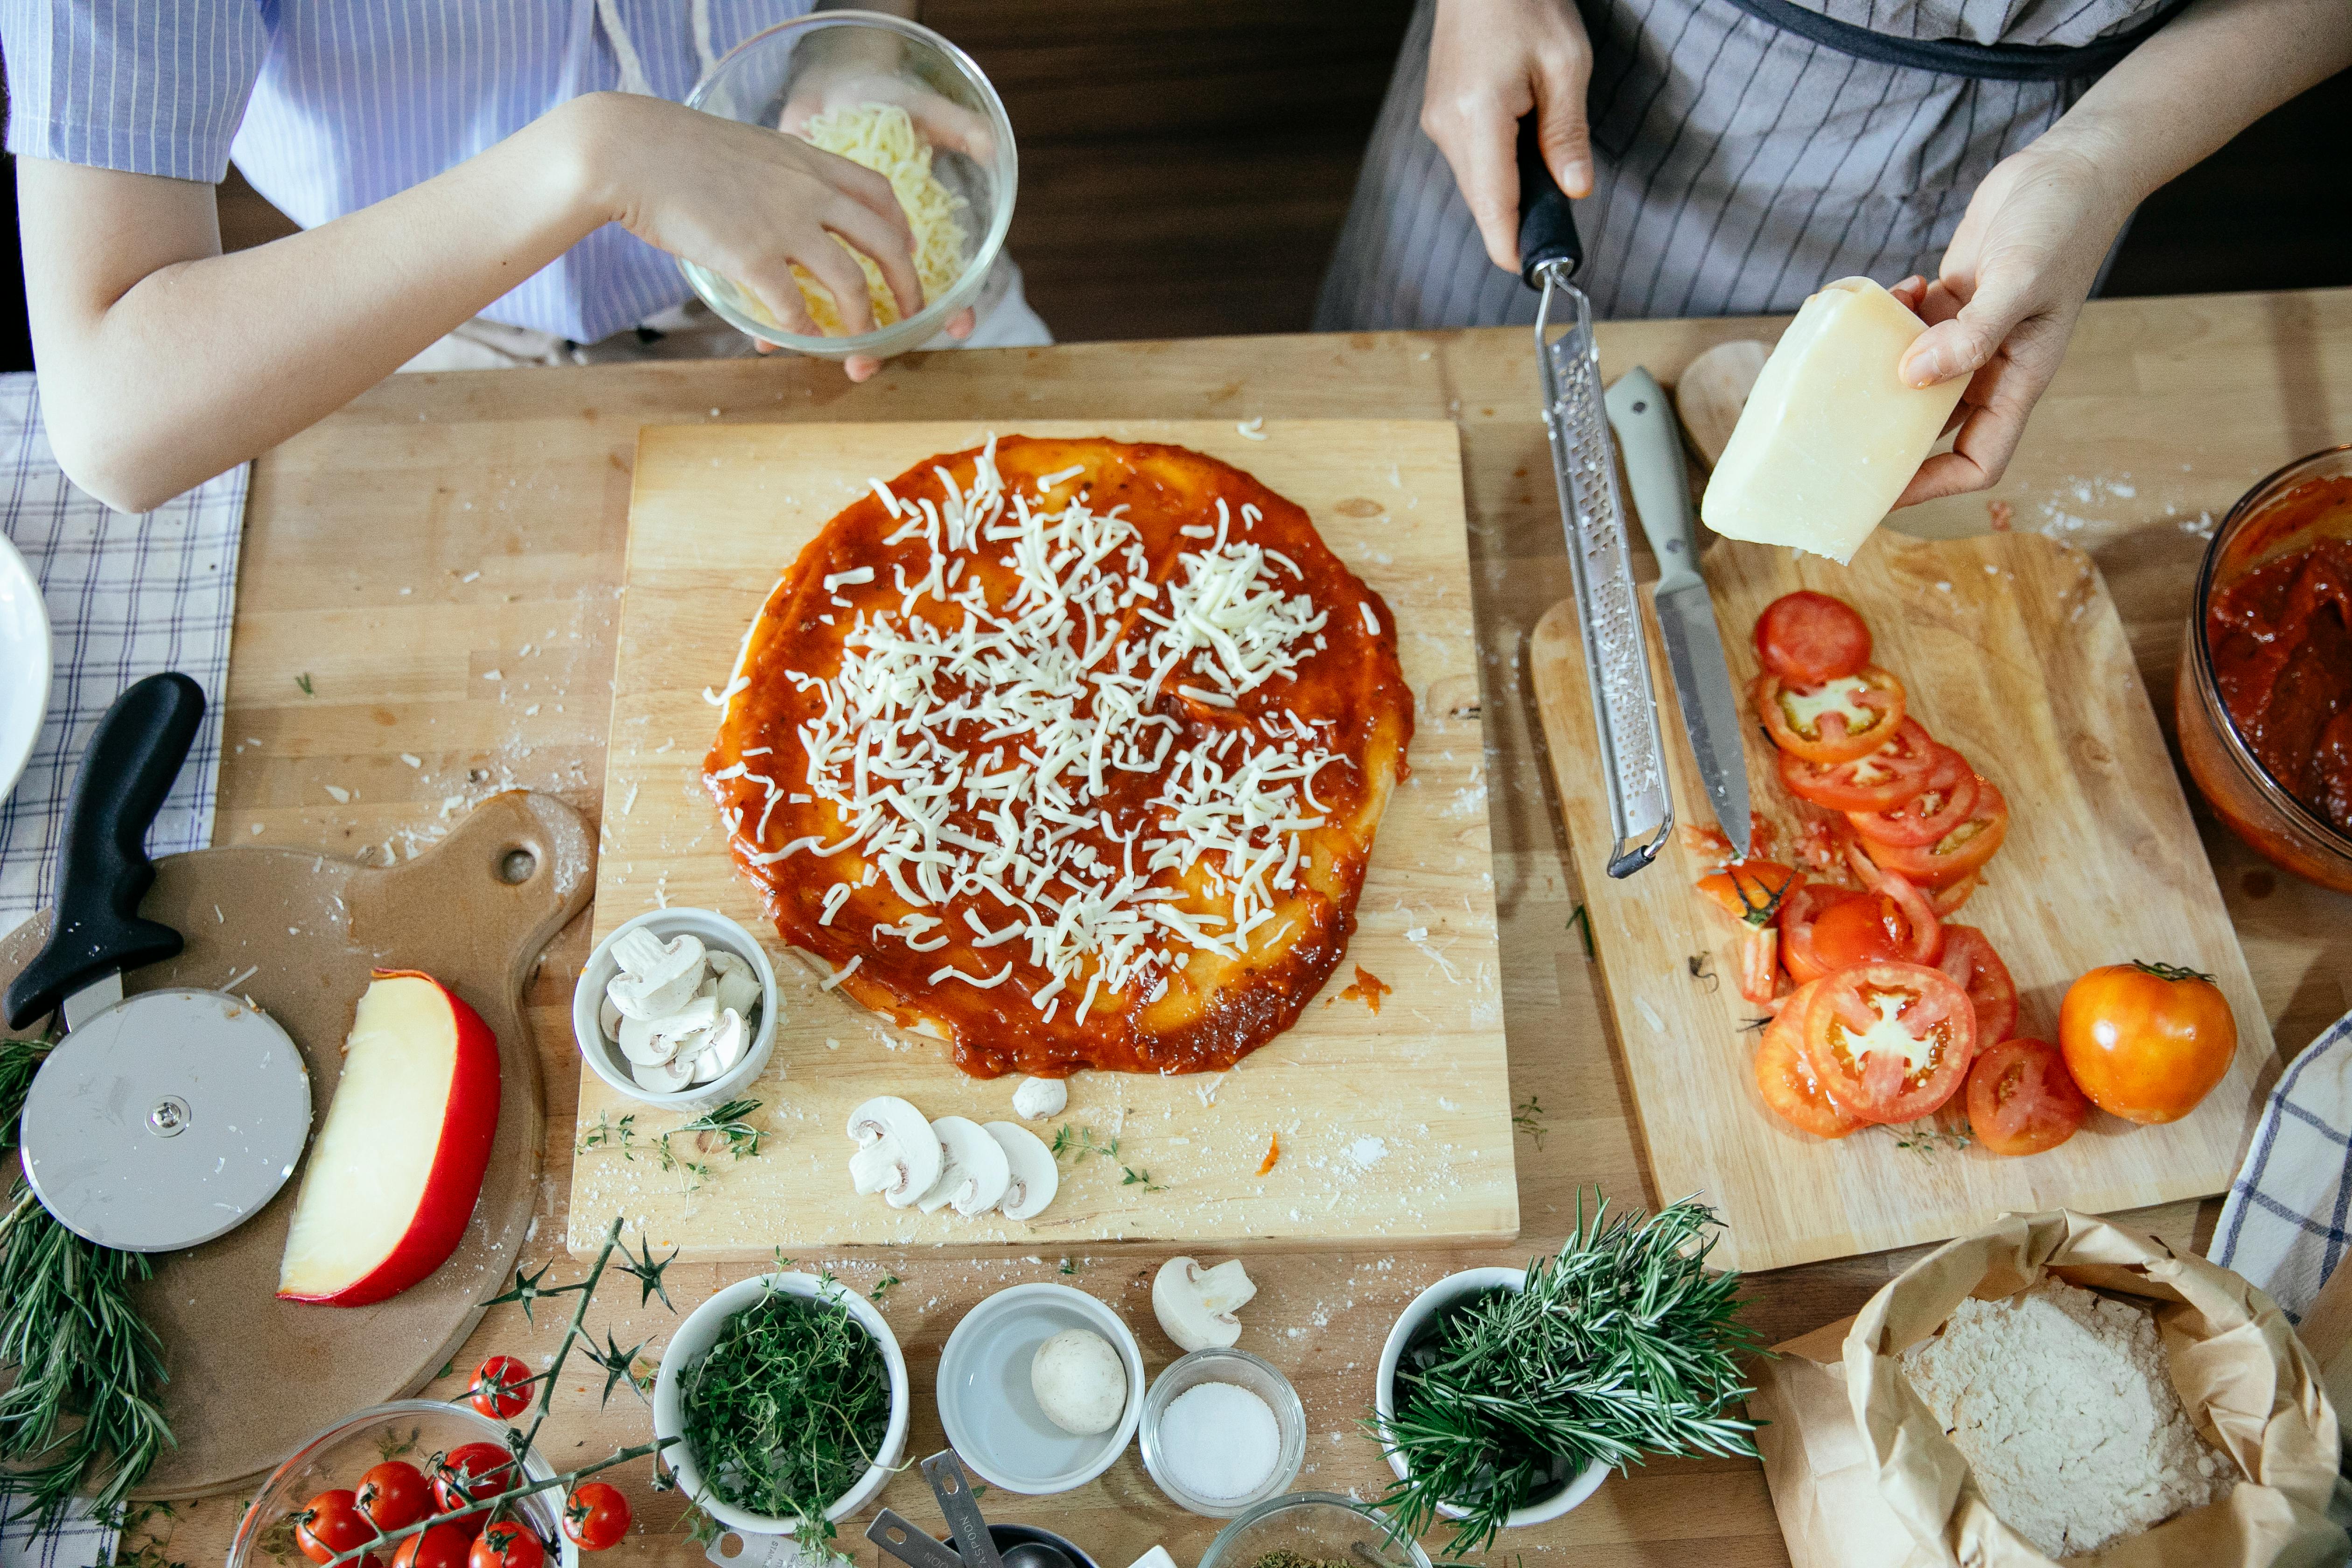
2146 1041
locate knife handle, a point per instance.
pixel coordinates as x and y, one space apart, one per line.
1652 445
1547 228
102 866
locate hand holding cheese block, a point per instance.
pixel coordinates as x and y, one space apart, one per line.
394 1175
1831 434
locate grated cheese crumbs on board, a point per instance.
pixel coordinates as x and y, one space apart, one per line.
882 137
2061 1402
1230 818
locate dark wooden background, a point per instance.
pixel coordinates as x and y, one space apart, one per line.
1186 164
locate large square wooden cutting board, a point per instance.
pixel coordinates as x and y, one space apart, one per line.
1395 1126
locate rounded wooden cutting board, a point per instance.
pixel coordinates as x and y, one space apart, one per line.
298 933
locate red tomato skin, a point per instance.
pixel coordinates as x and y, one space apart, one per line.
330 1523
1944 863
1969 959
2022 1100
1876 1091
1946 795
595 1516
394 1495
1808 638
1864 929
1883 696
2143 1046
1787 1082
470 1473
501 1387
506 1544
439 1546
1882 780
1800 909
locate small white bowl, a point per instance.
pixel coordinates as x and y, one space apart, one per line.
1243 1370
693 1339
991 1416
603 1056
1444 1293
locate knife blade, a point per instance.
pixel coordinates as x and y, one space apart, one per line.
1644 423
1593 516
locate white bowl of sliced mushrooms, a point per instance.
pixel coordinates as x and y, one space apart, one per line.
678 1007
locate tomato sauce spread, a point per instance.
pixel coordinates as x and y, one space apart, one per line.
2281 638
1069 753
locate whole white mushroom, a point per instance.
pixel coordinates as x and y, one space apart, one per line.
1079 1381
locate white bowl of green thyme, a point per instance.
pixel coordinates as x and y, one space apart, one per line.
741 1385
1505 1396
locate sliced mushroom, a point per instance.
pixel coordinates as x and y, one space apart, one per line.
722 1048
977 1171
738 987
694 1018
641 1046
1036 1177
655 977
608 1018
663 1077
1195 1306
897 1155
1038 1097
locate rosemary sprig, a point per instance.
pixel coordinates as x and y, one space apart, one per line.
1621 1345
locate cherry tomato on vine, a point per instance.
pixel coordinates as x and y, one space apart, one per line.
2146 1041
394 1495
1809 638
507 1544
440 1546
331 1523
470 1473
501 1387
595 1516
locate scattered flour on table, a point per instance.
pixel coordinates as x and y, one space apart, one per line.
2063 1405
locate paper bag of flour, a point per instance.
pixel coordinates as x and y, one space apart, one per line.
1877 1484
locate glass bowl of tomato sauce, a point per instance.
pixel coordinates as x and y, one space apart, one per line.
2265 694
415 1430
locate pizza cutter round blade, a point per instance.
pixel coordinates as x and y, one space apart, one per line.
166 1120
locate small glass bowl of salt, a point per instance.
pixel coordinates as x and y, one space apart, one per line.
1223 1430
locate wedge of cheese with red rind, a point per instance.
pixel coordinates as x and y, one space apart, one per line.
394 1174
1831 433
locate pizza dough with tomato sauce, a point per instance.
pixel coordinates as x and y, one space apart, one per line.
1069 753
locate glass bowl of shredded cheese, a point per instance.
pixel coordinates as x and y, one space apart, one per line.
894 97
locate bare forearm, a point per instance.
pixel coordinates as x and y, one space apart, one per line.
203 363
2217 68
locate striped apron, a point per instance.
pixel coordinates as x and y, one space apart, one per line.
1746 152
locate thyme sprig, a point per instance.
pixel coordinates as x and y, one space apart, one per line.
1622 1344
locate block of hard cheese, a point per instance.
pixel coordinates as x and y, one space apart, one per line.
1831 434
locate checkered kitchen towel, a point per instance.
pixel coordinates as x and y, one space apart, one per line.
2288 1220
127 596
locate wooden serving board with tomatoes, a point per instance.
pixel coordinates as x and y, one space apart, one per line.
2019 826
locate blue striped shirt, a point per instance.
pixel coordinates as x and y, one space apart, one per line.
331 105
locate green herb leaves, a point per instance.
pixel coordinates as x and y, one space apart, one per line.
1623 1345
788 1409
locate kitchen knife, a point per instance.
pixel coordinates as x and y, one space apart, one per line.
1584 467
1646 433
166 1119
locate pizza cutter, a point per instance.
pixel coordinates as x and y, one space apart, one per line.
169 1117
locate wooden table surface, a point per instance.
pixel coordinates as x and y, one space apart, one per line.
442 560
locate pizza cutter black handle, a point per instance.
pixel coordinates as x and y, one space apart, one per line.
1547 228
102 867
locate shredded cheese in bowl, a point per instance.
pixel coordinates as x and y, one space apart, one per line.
882 137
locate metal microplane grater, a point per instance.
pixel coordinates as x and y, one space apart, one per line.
1592 513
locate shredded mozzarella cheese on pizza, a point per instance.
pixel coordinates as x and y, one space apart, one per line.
1020 715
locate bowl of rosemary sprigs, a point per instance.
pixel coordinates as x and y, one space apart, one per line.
1506 1396
789 1397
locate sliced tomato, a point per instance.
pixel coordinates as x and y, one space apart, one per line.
1895 924
1926 944
1759 964
1788 1083
1977 969
1811 638
1890 1042
1800 907
2022 1100
1960 852
1880 781
1947 793
1948 899
1749 890
1835 721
